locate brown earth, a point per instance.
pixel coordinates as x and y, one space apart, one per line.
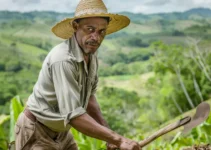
200 147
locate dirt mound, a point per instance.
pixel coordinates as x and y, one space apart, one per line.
200 147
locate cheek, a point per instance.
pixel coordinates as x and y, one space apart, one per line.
79 36
85 39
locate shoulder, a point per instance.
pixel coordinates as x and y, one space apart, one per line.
60 53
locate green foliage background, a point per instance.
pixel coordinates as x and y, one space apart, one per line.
153 71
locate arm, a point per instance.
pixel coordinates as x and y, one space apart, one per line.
93 109
68 95
88 126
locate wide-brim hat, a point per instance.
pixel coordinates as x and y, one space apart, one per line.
86 9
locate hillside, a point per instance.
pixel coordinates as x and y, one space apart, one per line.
30 34
54 16
150 72
50 18
32 30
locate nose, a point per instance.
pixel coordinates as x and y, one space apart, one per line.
95 36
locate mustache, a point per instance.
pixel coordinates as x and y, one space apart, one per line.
93 43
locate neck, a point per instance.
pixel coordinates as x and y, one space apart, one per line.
86 58
85 54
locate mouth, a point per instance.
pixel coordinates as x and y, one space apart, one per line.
92 44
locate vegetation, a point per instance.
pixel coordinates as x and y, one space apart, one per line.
151 72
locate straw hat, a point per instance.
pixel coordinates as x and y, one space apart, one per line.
90 8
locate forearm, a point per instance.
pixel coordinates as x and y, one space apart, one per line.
97 116
94 111
88 126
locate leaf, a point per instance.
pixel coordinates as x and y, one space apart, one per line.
176 138
3 139
85 142
16 108
3 119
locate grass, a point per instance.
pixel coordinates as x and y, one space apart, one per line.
35 30
173 39
109 44
29 50
119 78
128 82
144 29
28 53
32 50
10 30
183 24
5 41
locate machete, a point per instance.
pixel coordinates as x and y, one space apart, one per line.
202 113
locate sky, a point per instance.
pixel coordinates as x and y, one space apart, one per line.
135 6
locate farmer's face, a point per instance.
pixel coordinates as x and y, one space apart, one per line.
90 32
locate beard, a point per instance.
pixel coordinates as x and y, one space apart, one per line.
90 47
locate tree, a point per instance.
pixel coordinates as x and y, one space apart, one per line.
184 63
120 107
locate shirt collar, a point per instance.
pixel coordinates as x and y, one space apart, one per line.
75 49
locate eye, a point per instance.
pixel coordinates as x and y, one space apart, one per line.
103 32
90 29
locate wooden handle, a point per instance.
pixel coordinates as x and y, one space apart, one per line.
165 130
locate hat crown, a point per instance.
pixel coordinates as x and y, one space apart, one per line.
90 7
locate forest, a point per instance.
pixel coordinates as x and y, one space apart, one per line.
158 73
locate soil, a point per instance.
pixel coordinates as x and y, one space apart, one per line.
200 147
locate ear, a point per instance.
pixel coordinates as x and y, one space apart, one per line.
75 26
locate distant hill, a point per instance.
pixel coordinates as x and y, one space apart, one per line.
28 36
201 12
33 16
55 16
204 12
156 26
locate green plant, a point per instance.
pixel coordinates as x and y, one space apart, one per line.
16 107
3 138
85 143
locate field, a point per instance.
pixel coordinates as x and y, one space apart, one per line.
151 74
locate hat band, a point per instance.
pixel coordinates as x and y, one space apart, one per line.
90 11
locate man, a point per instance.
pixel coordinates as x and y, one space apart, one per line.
64 94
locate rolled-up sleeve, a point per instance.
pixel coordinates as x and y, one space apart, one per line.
67 90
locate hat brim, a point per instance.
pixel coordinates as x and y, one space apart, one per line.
64 29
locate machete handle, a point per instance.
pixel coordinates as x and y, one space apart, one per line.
165 130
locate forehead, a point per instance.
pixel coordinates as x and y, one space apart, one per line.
95 22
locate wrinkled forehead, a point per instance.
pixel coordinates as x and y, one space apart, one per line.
95 19
95 22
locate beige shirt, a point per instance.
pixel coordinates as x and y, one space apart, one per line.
64 86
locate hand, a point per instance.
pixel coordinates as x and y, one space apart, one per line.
127 144
111 146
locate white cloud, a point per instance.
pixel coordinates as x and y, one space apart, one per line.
143 6
31 5
25 2
141 9
157 2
